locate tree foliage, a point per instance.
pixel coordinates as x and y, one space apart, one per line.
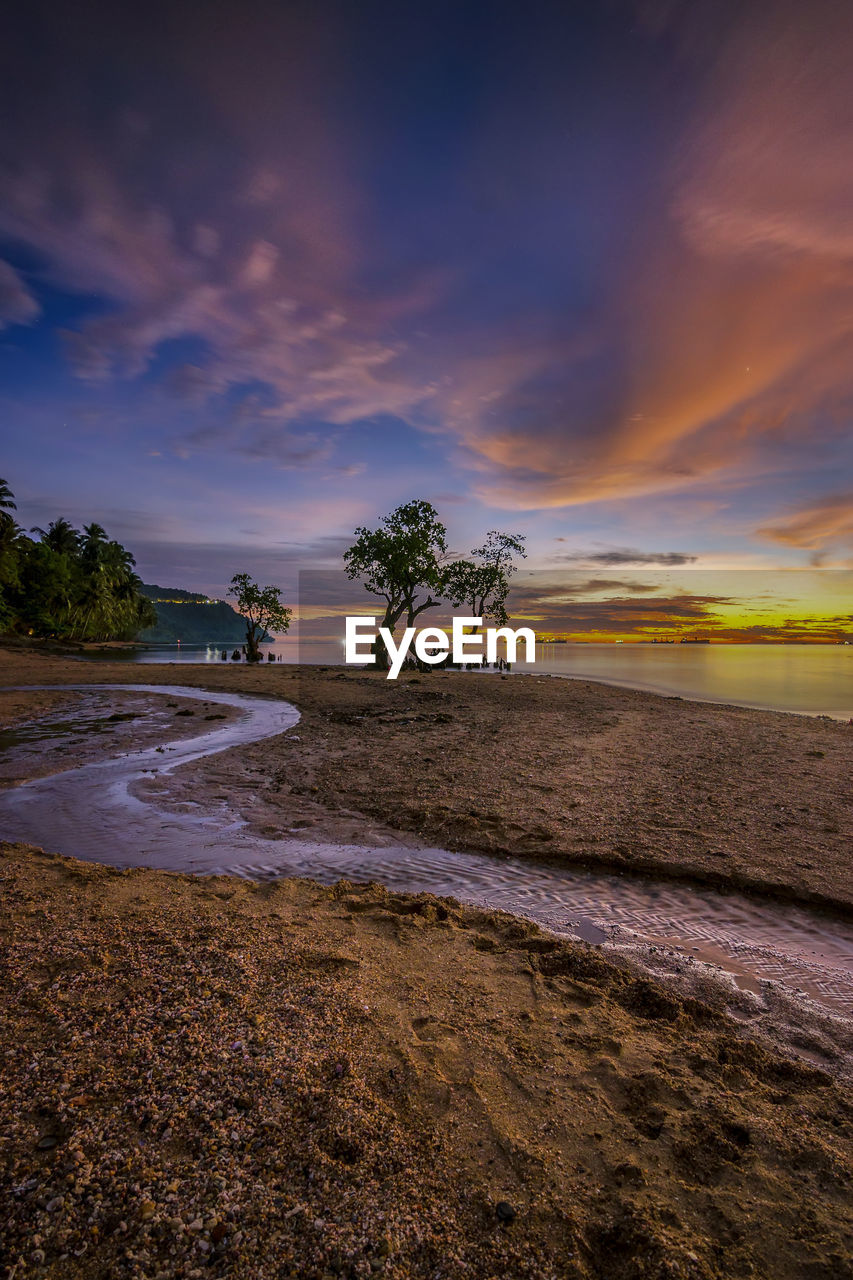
401 562
261 609
482 583
404 562
67 584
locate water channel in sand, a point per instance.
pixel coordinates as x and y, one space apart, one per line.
90 812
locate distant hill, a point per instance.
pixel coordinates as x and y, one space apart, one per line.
191 618
153 592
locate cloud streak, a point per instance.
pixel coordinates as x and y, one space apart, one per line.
609 266
822 525
17 303
628 556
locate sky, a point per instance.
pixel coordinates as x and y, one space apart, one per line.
577 271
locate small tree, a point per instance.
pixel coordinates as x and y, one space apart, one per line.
400 561
261 609
482 583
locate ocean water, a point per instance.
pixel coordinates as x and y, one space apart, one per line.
805 678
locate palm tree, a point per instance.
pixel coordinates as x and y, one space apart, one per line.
92 544
79 585
7 503
60 536
92 609
10 553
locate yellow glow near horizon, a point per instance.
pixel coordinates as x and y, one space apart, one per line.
734 606
634 606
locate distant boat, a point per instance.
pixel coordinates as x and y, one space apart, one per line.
694 640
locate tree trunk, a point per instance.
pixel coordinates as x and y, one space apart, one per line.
253 653
413 662
392 617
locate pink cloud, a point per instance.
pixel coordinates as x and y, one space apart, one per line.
825 523
17 303
731 319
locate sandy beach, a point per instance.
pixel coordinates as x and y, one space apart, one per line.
210 1077
565 771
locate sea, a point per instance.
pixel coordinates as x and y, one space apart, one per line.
807 679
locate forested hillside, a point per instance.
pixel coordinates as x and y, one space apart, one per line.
66 583
191 618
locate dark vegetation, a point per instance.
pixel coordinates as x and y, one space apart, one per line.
175 595
66 583
405 561
191 618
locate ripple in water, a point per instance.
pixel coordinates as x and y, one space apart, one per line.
90 813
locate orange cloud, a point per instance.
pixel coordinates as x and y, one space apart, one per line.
733 318
826 523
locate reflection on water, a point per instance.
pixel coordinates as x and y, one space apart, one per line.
806 678
92 812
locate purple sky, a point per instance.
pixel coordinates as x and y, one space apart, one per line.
582 272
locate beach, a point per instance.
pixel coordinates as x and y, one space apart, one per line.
206 1076
564 771
426 700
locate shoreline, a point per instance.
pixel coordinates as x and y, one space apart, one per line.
336 784
99 652
714 702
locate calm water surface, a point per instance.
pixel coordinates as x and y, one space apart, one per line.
809 679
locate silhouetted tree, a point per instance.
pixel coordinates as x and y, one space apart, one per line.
60 535
262 610
401 562
7 502
482 583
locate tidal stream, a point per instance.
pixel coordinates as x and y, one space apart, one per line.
90 812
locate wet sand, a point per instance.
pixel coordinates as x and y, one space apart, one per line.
43 733
21 708
563 771
118 811
206 1077
209 1077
